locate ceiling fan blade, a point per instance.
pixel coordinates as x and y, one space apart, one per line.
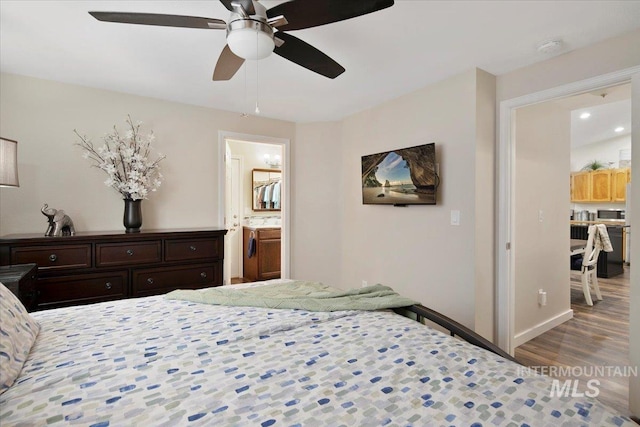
307 56
227 66
306 14
246 4
158 19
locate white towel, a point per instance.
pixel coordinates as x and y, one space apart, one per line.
601 239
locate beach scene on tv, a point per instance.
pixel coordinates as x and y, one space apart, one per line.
404 176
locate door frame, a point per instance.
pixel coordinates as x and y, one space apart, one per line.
505 295
285 208
240 213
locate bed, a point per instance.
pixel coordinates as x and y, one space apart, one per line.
156 361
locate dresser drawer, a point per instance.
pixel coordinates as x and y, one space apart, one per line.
192 249
161 280
53 257
269 234
110 254
80 289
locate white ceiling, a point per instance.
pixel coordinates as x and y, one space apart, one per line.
601 125
386 54
609 108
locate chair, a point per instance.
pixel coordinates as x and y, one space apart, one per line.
590 264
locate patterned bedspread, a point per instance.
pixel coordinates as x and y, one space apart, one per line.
158 362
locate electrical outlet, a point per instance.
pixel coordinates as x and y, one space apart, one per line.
540 215
364 284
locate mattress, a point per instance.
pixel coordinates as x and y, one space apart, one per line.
158 362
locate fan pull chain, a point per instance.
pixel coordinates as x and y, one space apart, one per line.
257 108
246 101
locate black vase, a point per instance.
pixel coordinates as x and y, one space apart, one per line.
132 215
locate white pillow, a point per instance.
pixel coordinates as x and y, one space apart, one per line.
18 332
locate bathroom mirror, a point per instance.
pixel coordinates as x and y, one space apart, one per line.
266 189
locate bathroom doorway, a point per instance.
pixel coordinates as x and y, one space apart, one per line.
244 160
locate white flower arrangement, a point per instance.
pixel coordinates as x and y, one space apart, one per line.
125 159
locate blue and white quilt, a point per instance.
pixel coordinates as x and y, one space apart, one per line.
158 362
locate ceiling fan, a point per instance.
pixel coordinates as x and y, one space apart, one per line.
253 31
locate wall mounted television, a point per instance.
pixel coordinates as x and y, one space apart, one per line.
401 177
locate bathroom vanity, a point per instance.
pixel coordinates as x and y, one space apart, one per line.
264 262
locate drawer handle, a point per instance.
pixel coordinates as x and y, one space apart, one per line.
193 248
203 275
108 285
130 252
150 281
53 257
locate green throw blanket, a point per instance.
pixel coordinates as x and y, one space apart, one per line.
311 296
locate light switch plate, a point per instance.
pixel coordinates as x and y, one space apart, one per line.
455 217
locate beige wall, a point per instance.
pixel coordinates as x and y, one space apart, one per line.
415 249
316 203
541 248
41 115
485 204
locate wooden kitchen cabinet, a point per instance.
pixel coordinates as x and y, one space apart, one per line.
580 187
264 263
619 180
603 186
93 267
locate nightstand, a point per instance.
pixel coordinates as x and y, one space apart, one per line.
20 279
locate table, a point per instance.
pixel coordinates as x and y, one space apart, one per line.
577 246
20 280
610 264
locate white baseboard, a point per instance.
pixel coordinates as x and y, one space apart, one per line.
541 328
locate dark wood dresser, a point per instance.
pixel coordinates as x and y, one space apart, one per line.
102 266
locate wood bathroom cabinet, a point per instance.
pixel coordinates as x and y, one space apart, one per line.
264 263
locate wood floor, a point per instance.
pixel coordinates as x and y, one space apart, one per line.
596 336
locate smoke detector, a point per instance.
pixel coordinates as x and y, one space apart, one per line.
549 46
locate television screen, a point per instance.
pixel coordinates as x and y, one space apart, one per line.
406 176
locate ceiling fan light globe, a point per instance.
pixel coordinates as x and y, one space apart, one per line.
248 43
